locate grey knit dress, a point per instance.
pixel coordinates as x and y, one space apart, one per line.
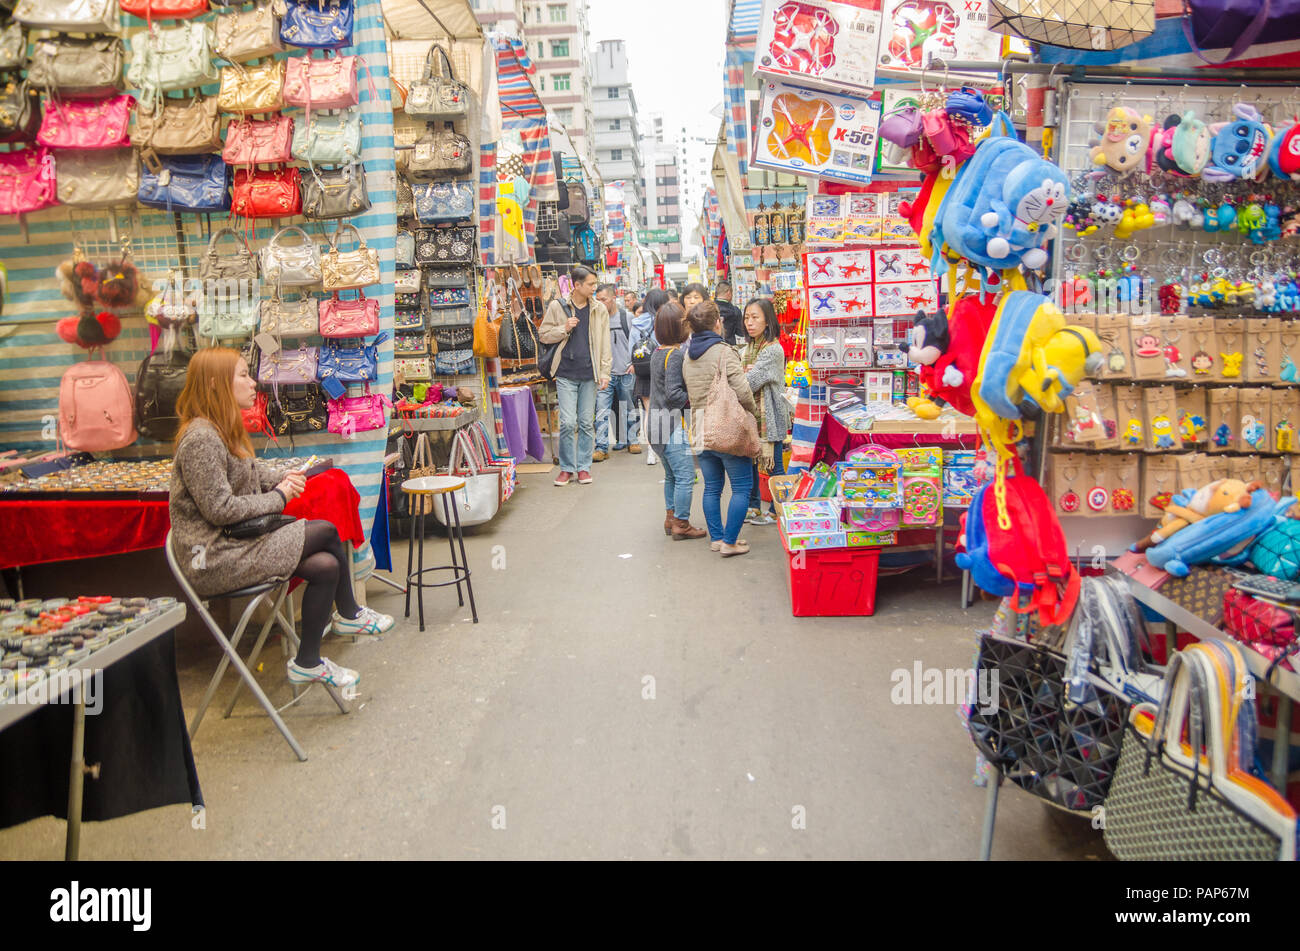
211 488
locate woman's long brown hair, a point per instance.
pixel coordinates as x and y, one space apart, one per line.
209 394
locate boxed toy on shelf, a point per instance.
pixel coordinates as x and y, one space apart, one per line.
816 133
819 43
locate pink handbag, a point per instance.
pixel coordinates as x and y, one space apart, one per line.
355 414
349 318
87 123
321 83
259 141
26 181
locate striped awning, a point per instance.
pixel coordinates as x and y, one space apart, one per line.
743 22
514 87
738 57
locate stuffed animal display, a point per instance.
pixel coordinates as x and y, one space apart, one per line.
1223 495
1125 136
948 349
1239 149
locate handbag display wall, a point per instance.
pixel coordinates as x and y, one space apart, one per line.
441 153
259 141
329 140
248 34
443 202
177 58
90 67
240 266
97 179
317 24
347 270
335 193
193 183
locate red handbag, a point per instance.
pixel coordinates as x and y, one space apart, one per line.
266 193
255 419
164 9
349 318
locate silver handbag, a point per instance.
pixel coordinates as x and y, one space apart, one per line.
246 35
440 96
441 153
69 16
290 265
345 270
13 47
294 318
87 68
334 192
97 178
240 266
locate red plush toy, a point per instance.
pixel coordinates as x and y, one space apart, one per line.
89 330
948 349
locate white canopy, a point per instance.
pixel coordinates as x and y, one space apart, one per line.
431 20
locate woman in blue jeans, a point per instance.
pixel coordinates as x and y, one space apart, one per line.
665 431
764 363
706 356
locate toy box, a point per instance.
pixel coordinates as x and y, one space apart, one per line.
894 225
922 459
819 43
863 218
825 346
868 539
879 384
922 499
897 265
891 358
914 33
898 300
871 484
821 540
819 482
816 133
836 267
811 516
835 303
872 521
959 486
855 346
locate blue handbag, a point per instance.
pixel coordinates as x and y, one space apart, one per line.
453 362
441 202
317 24
196 183
349 364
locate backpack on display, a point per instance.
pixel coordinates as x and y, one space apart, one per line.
158 384
588 247
96 408
577 202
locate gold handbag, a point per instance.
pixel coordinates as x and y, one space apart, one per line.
345 270
189 126
252 89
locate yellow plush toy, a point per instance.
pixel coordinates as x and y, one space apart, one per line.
1224 495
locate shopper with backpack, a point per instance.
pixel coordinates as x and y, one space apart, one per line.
665 427
764 362
643 348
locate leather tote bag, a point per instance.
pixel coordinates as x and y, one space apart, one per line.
349 318
178 58
289 318
480 500
346 270
329 140
438 94
87 123
355 414
89 68
317 24
69 16
248 34
97 179
246 90
240 266
20 112
722 424
27 181
288 367
290 265
334 193
444 202
158 383
297 410
227 319
350 364
487 331
189 126
440 153
259 141
193 183
322 84
266 193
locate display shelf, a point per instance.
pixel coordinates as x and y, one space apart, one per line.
441 424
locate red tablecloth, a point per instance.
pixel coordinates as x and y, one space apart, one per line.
834 442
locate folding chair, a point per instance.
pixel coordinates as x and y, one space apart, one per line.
274 592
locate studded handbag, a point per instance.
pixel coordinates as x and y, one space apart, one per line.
164 9
293 318
240 266
248 34
266 193
450 317
290 265
20 113
414 369
317 24
188 126
443 202
334 193
89 68
13 47
408 344
297 411
193 183
406 280
409 319
437 95
355 414
329 140
178 58
100 178
252 89
345 270
350 364
27 180
349 318
259 141
288 367
69 16
446 246
87 123
226 320
453 362
329 83
453 338
441 153
449 297
404 251
446 277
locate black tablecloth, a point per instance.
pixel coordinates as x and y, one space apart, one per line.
139 739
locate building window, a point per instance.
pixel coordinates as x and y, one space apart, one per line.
616 155
559 13
565 116
560 82
560 48
541 49
541 83
613 92
614 124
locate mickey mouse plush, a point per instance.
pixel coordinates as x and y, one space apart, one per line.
948 351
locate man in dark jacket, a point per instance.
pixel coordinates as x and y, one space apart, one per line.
733 322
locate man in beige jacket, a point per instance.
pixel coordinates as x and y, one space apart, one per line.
581 366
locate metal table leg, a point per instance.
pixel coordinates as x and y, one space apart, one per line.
77 781
1281 744
938 552
990 815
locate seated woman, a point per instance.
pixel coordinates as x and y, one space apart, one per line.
217 481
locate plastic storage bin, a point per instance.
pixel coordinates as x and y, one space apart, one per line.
832 582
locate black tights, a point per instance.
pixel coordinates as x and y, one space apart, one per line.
324 566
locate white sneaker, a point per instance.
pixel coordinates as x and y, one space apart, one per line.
326 672
650 458
367 622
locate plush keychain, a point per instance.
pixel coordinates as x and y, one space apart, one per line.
1125 136
1284 153
1136 216
1239 148
1181 147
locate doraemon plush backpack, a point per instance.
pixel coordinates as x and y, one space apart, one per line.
1006 202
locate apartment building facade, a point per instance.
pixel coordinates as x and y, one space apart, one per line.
617 136
662 186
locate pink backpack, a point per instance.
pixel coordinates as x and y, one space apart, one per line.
96 409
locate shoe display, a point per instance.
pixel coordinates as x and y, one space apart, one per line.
367 622
564 478
600 455
584 477
326 672
635 448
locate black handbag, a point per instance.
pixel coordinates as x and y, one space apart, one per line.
257 525
446 245
298 411
453 338
158 384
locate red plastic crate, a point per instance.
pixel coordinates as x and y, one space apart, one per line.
832 582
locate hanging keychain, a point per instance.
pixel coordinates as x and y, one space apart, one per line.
1098 495
1069 501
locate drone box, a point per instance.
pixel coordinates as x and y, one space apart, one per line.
898 300
818 43
898 265
914 33
836 303
836 267
815 133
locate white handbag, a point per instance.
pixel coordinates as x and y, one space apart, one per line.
480 500
290 265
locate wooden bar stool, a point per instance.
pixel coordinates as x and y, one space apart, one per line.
446 487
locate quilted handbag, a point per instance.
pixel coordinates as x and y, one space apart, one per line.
288 367
317 24
87 123
405 199
446 246
69 16
164 9
240 266
329 83
404 252
407 279
290 265
259 141
441 153
252 89
266 193
1078 24
20 112
451 317
349 318
179 58
26 181
13 47
449 297
453 362
408 320
350 364
442 202
289 318
188 126
413 369
97 179
248 34
297 411
335 192
487 331
193 183
437 95
410 344
446 277
345 270
219 320
355 414
87 68
453 338
329 140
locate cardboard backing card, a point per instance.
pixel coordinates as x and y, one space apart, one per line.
1224 422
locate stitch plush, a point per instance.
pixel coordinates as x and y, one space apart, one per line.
1125 135
1239 148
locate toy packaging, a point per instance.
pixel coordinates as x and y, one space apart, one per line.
835 303
829 268
900 300
899 265
959 485
924 459
816 133
869 539
819 43
914 33
869 484
922 499
811 516
826 540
